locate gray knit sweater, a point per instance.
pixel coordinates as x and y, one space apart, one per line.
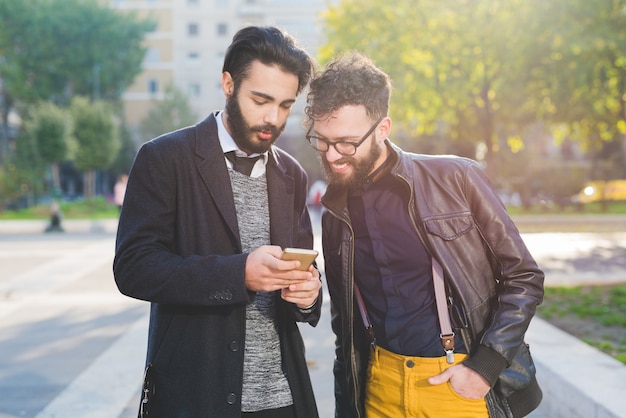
265 384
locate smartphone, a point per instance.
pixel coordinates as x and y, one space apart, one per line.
306 257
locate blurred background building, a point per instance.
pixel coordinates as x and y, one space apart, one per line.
187 48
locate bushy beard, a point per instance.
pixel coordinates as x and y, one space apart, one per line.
360 169
243 133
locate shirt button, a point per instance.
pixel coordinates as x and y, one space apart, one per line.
410 364
233 346
231 398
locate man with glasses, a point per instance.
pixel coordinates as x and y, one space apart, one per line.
432 288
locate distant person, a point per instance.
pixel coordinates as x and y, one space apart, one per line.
55 218
398 230
119 190
200 236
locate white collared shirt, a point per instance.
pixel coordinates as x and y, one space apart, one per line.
228 144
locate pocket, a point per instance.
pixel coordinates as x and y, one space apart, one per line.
461 397
450 227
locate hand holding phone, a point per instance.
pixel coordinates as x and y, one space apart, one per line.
306 257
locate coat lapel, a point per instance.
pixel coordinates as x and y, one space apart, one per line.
212 169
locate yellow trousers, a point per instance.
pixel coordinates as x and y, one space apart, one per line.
397 386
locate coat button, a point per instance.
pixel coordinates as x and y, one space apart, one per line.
233 346
231 398
410 364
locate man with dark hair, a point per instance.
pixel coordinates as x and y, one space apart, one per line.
432 288
207 213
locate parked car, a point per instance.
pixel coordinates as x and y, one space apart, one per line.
595 191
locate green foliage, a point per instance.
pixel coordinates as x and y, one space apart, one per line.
482 72
96 134
454 64
23 174
583 79
167 115
53 49
49 126
126 154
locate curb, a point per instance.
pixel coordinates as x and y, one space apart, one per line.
578 381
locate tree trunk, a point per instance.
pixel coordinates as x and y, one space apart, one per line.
89 184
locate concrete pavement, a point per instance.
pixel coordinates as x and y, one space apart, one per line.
72 346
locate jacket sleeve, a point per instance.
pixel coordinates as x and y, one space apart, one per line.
518 279
150 263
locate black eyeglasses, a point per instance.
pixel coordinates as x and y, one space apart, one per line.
346 148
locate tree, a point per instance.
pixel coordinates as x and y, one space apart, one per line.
167 115
97 139
55 49
67 45
583 78
455 64
126 154
23 175
49 127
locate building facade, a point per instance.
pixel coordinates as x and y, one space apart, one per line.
187 48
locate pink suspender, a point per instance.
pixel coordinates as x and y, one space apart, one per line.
447 335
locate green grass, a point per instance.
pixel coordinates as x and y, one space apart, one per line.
595 208
96 208
594 314
100 208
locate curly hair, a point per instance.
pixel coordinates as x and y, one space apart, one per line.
351 79
269 45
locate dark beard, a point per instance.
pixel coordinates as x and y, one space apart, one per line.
360 169
242 133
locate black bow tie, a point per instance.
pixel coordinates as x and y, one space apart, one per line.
242 164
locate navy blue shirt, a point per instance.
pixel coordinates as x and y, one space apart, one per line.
393 270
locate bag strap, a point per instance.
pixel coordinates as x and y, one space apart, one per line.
446 335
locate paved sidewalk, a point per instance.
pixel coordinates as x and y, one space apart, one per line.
72 346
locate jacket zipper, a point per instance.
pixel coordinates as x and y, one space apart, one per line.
350 310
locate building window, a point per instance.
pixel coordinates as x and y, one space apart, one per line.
153 86
193 29
194 90
152 56
193 59
222 29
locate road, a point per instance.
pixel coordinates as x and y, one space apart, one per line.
72 346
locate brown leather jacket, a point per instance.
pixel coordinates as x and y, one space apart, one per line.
494 281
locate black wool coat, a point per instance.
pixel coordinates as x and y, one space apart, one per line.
178 247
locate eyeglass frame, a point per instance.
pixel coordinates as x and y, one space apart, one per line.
328 143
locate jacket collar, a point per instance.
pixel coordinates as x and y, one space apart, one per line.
212 169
